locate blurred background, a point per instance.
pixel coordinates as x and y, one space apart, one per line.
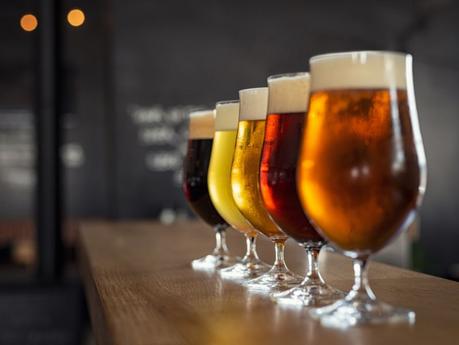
110 82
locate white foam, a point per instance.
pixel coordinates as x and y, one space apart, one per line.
226 115
288 93
202 124
253 103
356 70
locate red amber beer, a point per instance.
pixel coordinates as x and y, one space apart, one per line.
288 98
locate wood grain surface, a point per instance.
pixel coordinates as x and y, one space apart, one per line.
141 289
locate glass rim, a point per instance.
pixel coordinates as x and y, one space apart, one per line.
200 111
289 75
254 89
232 101
329 56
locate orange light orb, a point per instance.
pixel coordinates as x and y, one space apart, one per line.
76 17
28 22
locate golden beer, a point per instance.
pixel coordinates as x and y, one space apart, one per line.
219 181
245 175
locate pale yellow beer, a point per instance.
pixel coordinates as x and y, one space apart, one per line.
219 174
246 162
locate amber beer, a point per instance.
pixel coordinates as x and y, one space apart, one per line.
196 165
359 177
246 161
288 98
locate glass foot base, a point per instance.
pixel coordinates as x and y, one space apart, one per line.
351 312
274 281
309 295
213 262
244 270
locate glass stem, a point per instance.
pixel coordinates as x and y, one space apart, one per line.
361 289
279 262
312 269
220 241
251 253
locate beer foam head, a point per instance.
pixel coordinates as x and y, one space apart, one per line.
357 70
202 124
226 115
288 93
253 103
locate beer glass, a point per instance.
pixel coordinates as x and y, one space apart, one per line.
219 183
246 191
195 167
287 103
361 172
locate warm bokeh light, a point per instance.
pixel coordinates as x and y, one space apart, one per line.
28 22
76 17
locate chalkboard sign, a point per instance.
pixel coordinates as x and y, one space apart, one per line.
163 134
151 146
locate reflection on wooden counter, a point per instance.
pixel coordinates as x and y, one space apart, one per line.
141 289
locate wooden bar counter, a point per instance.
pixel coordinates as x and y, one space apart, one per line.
141 289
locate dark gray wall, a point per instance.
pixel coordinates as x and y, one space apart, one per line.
436 51
86 152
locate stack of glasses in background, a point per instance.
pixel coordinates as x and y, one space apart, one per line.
332 157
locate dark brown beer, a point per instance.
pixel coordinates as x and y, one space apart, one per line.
195 169
359 172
